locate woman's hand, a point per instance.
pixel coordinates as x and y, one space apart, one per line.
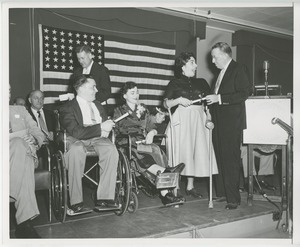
184 101
150 136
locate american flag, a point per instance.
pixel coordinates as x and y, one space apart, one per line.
148 64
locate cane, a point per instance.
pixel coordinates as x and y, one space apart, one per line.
210 125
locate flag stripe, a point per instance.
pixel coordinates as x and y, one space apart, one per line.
133 61
148 64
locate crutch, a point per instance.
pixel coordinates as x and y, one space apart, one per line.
210 125
172 148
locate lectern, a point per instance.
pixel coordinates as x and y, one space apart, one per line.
260 111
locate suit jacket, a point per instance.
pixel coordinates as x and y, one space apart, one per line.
234 91
71 120
101 75
49 118
20 119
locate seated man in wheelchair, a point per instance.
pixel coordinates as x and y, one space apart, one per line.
86 124
141 127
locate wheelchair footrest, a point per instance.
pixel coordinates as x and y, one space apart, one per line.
166 180
173 204
70 212
103 209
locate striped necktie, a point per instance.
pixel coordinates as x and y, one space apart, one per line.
42 123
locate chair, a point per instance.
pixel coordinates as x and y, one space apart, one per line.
60 183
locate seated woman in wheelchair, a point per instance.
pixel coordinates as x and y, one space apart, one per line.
141 127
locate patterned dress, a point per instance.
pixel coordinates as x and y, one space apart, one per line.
138 124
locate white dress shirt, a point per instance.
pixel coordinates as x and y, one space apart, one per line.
87 70
36 115
86 112
219 80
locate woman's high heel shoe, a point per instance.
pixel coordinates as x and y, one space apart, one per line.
193 193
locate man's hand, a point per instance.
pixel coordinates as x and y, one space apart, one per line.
106 127
212 98
30 140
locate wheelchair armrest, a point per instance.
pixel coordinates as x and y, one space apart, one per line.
160 136
60 140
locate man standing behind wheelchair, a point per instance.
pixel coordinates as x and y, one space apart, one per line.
86 124
140 125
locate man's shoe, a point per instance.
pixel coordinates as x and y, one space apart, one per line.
219 199
231 205
193 193
106 205
26 230
175 169
76 208
170 198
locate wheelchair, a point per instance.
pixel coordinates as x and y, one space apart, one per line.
60 179
142 180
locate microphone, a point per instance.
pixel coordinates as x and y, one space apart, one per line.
266 65
283 125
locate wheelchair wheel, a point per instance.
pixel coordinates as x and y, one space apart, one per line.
59 186
133 203
123 185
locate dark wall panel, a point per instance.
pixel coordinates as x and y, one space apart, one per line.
20 76
253 49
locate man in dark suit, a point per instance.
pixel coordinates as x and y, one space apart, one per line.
99 72
87 124
44 118
230 92
25 139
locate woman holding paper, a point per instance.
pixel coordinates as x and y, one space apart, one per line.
189 142
142 128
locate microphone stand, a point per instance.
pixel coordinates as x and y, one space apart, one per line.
289 169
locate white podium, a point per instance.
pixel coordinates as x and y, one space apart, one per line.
260 111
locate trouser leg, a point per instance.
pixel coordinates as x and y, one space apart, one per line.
22 183
108 162
75 163
231 159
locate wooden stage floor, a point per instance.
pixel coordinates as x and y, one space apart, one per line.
192 220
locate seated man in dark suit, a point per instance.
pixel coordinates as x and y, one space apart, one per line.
44 118
87 124
24 139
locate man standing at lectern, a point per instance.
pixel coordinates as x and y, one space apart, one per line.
230 92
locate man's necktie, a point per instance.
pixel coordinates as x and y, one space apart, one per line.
42 123
218 83
93 118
